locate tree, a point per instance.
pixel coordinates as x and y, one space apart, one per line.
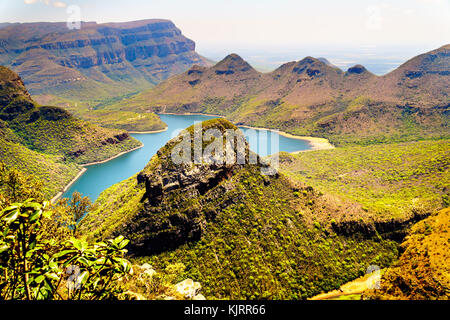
77 207
33 266
16 186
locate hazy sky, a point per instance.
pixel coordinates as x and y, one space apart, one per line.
264 22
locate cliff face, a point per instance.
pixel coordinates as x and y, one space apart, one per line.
111 58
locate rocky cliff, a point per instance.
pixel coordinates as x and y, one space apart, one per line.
98 59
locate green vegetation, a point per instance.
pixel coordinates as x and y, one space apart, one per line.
141 121
422 271
57 133
125 120
34 265
50 169
239 233
260 248
48 141
39 256
42 256
390 180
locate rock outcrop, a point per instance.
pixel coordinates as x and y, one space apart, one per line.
175 194
422 271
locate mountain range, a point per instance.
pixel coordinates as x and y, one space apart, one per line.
313 97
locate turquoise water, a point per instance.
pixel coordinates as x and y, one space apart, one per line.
101 176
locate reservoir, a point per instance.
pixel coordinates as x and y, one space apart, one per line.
101 176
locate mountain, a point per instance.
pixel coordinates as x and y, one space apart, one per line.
79 69
312 97
48 141
109 58
240 233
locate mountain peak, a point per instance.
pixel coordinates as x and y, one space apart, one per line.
357 69
435 62
11 86
231 64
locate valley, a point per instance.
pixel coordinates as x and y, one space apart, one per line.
305 179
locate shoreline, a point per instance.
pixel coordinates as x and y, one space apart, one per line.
113 157
83 170
314 142
59 194
145 132
191 114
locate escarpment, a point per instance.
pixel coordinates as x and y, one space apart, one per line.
112 58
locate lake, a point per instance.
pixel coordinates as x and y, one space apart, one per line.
101 176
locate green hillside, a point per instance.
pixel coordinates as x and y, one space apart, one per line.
240 233
48 141
389 180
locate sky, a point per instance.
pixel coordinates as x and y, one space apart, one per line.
218 26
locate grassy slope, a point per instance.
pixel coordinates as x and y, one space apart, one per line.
124 120
77 140
390 180
423 271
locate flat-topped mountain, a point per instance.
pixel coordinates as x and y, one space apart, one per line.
313 97
48 141
98 60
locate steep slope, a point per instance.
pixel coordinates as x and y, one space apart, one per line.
423 271
97 62
312 97
112 56
48 141
240 233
